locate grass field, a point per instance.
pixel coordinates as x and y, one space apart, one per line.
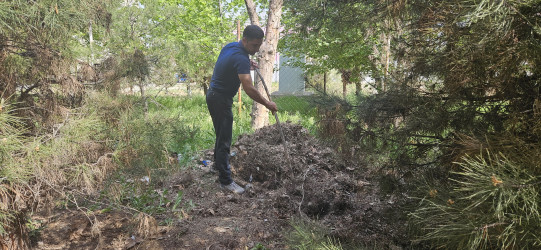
176 126
192 112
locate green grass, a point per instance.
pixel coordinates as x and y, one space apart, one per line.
145 141
192 112
297 110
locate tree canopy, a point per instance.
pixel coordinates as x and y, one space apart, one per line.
328 33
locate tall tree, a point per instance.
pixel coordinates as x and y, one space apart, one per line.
267 54
199 30
37 60
460 67
144 49
328 35
36 51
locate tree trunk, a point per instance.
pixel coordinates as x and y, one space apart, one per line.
266 56
346 75
143 97
325 83
252 13
206 84
344 90
387 47
91 43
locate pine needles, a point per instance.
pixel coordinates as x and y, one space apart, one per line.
32 167
309 235
493 203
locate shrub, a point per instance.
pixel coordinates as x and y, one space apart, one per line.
492 202
148 140
70 157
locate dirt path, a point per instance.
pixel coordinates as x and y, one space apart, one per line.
342 198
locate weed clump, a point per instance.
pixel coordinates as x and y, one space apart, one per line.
69 157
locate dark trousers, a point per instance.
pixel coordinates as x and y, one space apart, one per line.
219 106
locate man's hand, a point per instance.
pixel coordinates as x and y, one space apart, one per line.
253 65
251 91
272 106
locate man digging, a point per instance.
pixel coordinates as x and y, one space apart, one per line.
232 69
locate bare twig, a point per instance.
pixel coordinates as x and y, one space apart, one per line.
106 204
156 102
302 189
55 131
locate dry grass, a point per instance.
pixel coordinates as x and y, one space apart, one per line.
147 227
71 156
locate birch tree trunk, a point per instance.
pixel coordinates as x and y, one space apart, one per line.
91 43
252 13
266 56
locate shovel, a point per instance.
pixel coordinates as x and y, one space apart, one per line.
276 117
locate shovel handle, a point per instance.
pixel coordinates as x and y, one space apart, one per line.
268 94
276 117
263 81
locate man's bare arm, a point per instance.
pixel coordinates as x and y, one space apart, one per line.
251 91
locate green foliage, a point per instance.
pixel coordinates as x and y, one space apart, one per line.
63 160
293 104
58 159
43 19
150 201
328 33
491 203
146 141
35 39
109 109
193 113
201 29
175 36
12 175
259 246
12 143
141 194
308 235
458 68
135 66
139 46
69 158
457 81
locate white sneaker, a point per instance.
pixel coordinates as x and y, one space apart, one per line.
233 187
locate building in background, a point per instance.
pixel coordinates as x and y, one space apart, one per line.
290 78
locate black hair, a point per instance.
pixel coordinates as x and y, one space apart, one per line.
253 32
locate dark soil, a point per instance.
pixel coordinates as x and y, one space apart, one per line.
314 185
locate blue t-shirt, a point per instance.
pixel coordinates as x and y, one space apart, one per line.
233 60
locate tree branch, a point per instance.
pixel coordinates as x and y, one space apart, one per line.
250 6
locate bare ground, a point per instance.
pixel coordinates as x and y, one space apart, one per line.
314 185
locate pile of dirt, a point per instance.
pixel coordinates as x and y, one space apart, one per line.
317 184
313 185
310 176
